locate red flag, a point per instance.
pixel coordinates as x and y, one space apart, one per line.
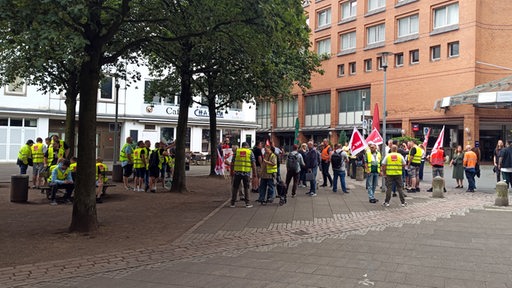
267 143
375 137
357 142
219 164
425 142
376 120
439 141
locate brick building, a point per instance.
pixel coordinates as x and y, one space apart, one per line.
440 49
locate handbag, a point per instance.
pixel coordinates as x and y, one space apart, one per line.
310 176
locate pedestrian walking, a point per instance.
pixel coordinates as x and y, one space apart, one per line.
312 161
392 166
505 163
470 160
339 161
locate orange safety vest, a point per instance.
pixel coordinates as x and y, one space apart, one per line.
325 153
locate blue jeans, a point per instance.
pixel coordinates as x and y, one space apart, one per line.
470 175
264 184
372 180
341 174
312 183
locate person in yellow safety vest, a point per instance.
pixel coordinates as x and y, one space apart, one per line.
162 153
437 161
73 166
372 161
147 151
101 178
38 160
268 176
243 163
415 155
61 179
392 166
25 156
126 158
139 164
63 147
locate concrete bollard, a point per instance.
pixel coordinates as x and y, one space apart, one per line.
501 194
359 173
438 187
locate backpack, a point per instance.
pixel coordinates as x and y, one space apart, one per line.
154 159
336 160
292 163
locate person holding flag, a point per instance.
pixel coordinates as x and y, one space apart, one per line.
436 158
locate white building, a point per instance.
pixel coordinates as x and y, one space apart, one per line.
26 113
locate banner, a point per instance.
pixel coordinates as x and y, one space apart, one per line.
357 142
297 126
219 164
439 141
425 142
375 137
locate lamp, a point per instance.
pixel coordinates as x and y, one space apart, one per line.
384 64
363 97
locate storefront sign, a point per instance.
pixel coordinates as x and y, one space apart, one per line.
202 112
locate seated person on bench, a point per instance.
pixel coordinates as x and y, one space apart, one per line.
101 178
61 179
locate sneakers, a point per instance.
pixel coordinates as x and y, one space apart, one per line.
232 206
346 192
53 203
404 204
385 204
248 205
312 194
373 200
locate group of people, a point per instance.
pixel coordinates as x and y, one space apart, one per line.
147 165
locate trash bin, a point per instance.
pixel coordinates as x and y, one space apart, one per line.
117 173
19 188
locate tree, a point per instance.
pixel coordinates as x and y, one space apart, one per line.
228 63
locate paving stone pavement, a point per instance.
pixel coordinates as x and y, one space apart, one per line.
332 240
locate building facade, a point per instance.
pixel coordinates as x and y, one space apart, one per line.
26 113
439 48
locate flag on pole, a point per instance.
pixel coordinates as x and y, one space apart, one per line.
267 143
376 120
219 164
357 142
439 141
375 137
297 126
425 142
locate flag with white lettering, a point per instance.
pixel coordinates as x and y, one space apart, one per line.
375 137
357 142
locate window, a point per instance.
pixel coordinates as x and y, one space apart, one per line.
408 26
323 18
376 4
341 70
376 34
287 111
348 9
318 104
414 55
30 122
150 127
435 53
350 101
324 46
348 41
106 89
263 114
379 63
453 49
446 16
352 68
399 59
368 65
18 87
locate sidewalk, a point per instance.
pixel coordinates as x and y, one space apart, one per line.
332 240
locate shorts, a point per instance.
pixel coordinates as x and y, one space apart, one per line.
38 168
414 171
140 172
154 172
127 170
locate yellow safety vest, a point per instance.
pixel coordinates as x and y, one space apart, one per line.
416 158
137 159
25 153
394 164
62 175
272 168
122 154
72 167
101 169
369 160
37 153
51 172
243 160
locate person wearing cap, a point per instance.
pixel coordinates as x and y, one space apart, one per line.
25 156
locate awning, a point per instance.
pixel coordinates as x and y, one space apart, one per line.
495 94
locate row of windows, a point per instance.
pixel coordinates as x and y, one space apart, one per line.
414 58
445 18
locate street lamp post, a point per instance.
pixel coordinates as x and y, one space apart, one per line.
363 96
116 145
384 65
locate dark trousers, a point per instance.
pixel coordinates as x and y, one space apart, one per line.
397 181
69 189
236 184
289 176
507 177
470 175
325 173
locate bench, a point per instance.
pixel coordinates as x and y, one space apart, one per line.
48 190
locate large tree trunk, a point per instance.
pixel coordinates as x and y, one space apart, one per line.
213 133
84 205
179 179
71 96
